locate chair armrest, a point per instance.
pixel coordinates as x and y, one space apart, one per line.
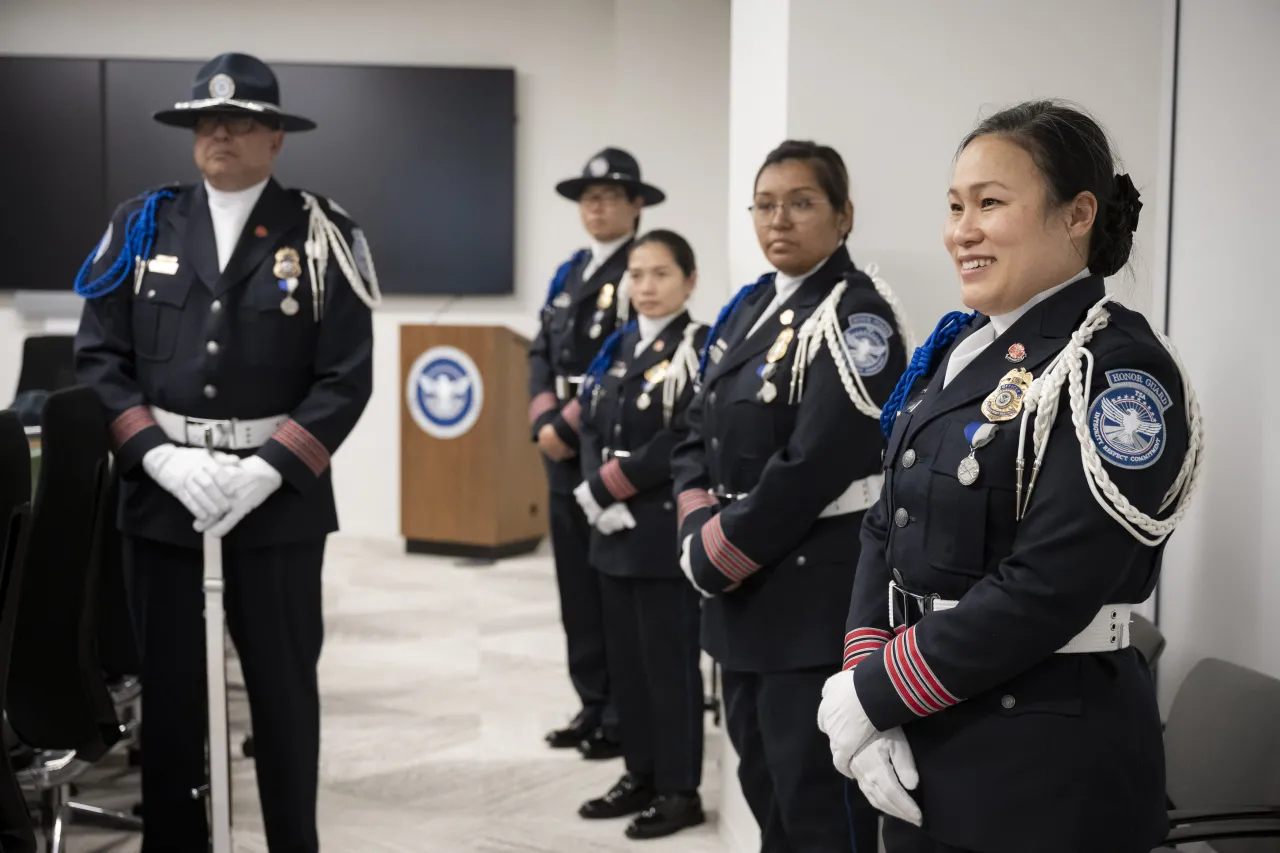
1178 817
1224 830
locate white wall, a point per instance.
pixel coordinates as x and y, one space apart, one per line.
647 75
1221 589
895 86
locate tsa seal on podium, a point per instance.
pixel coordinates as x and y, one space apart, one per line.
444 392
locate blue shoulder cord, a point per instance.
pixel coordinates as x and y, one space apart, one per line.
604 358
562 275
139 234
948 328
725 313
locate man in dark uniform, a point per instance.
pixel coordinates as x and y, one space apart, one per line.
583 308
237 313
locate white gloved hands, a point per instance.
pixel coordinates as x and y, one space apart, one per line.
615 517
841 718
188 473
686 566
587 501
886 770
247 482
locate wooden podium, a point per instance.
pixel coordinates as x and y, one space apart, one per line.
471 481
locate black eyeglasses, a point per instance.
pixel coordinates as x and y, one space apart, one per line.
236 125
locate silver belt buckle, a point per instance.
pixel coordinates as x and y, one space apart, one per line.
898 595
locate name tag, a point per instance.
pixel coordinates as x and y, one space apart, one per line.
163 265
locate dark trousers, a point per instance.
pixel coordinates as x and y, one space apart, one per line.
652 634
784 765
903 837
580 607
272 602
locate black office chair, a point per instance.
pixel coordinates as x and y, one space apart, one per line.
48 363
59 702
1222 749
16 833
117 640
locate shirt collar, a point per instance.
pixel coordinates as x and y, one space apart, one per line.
601 252
1001 322
651 327
784 285
223 200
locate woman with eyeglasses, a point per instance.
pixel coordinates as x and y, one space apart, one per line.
1042 450
634 402
781 462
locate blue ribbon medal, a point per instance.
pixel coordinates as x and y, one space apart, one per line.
978 435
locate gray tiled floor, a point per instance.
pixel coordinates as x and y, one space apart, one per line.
438 682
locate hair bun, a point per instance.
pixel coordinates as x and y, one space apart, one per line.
1125 206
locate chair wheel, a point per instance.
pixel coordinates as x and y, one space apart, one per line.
246 746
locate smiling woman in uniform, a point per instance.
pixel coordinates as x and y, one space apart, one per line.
994 704
781 462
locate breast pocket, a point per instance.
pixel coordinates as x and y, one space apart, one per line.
271 334
749 424
955 536
157 315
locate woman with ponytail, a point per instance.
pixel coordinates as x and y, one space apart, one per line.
1041 450
781 463
634 402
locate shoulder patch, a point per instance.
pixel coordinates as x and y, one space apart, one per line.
867 337
105 243
364 259
1126 419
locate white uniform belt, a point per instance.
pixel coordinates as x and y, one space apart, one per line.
861 495
227 435
567 387
1108 632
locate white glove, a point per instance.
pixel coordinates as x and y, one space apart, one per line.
614 518
248 482
886 770
187 473
687 567
587 501
841 718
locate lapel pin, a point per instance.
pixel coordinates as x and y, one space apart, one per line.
787 316
659 345
1016 353
260 231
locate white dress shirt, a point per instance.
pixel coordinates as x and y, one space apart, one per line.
784 286
972 346
229 212
650 328
601 252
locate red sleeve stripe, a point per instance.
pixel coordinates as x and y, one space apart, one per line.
129 424
862 643
616 482
303 445
540 405
692 500
912 678
572 414
724 555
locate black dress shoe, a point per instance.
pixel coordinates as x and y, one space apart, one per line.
600 745
574 733
667 815
632 794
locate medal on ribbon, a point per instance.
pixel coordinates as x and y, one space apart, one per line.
978 435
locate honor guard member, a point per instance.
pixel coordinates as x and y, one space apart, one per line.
634 401
586 303
233 312
1041 451
782 460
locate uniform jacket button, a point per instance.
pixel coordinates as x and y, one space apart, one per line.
668 505
210 392
901 517
800 561
1007 701
712 398
715 444
908 458
151 294
216 306
211 347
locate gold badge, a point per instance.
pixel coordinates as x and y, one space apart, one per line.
779 349
657 373
787 316
1004 403
287 264
605 299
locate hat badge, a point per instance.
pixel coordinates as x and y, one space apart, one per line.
598 167
222 86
